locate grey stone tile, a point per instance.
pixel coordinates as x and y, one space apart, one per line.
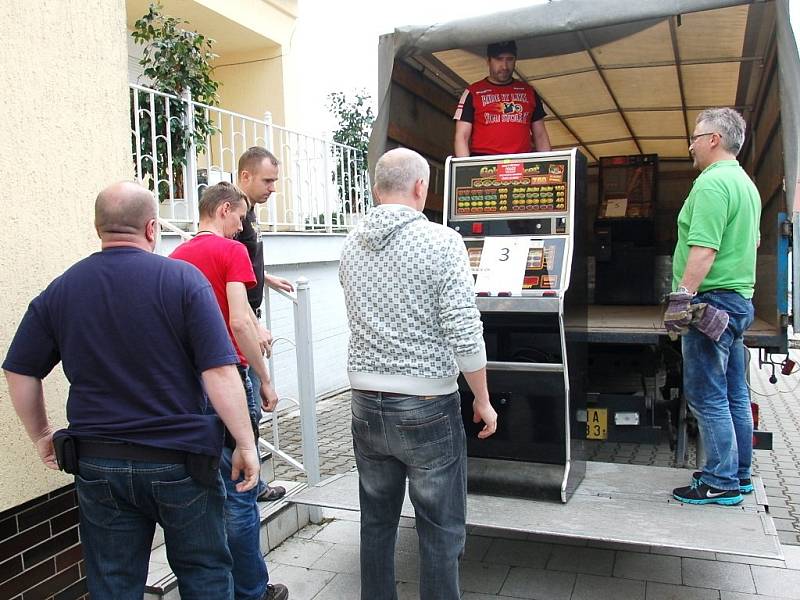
784 583
791 555
718 575
340 532
518 553
593 561
298 552
341 558
406 590
303 583
476 547
406 566
281 525
310 530
666 591
407 540
539 584
344 585
471 596
341 515
593 587
649 567
481 577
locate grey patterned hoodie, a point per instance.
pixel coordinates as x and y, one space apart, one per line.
411 304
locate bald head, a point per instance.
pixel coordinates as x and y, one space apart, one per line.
398 171
123 209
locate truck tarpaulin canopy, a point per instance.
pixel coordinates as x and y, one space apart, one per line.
616 77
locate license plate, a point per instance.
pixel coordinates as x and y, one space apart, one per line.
596 423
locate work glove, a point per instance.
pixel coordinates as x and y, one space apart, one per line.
678 314
709 320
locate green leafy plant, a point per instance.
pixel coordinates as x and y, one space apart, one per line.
355 119
175 59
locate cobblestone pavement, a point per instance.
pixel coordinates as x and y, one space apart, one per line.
779 468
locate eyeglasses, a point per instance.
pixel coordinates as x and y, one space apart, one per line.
693 138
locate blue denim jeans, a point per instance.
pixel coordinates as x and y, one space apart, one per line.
243 526
120 503
254 399
422 439
715 384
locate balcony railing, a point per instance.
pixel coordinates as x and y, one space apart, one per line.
323 186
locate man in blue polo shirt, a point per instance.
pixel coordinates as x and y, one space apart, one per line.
144 348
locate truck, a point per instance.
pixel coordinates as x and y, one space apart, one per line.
622 84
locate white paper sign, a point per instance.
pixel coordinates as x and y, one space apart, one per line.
617 207
502 265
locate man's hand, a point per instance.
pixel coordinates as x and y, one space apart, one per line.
279 283
265 340
678 314
46 450
245 463
483 411
269 399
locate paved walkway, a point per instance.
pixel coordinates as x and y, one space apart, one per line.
320 562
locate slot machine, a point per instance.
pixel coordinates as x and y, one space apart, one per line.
521 219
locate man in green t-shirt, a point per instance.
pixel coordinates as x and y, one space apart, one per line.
715 264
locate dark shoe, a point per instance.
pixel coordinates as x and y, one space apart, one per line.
277 591
745 485
272 493
705 494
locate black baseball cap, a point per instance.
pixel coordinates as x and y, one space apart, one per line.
498 48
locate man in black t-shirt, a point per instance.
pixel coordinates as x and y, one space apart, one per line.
142 342
258 172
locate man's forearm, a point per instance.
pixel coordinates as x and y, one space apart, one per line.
226 394
246 334
476 380
27 397
698 264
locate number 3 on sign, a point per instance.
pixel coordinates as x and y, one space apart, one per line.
504 254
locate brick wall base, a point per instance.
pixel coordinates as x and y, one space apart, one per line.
40 551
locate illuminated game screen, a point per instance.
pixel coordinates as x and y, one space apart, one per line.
509 187
543 270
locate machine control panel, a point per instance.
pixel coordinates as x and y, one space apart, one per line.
514 209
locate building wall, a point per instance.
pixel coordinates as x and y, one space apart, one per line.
251 83
66 135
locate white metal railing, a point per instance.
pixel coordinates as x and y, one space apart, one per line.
323 186
306 402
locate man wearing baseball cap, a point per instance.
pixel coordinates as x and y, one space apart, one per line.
500 114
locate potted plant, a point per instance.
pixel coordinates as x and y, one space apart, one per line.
178 62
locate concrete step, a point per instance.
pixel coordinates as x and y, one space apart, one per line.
279 520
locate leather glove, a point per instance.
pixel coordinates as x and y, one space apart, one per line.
709 320
678 314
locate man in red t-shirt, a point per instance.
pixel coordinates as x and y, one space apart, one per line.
226 265
500 114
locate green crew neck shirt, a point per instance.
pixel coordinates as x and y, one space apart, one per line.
722 212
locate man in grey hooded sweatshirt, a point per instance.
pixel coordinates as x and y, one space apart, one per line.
414 326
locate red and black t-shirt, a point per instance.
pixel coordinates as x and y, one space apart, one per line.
501 116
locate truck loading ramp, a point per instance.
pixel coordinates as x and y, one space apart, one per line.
628 504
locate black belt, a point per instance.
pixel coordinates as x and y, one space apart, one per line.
125 451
